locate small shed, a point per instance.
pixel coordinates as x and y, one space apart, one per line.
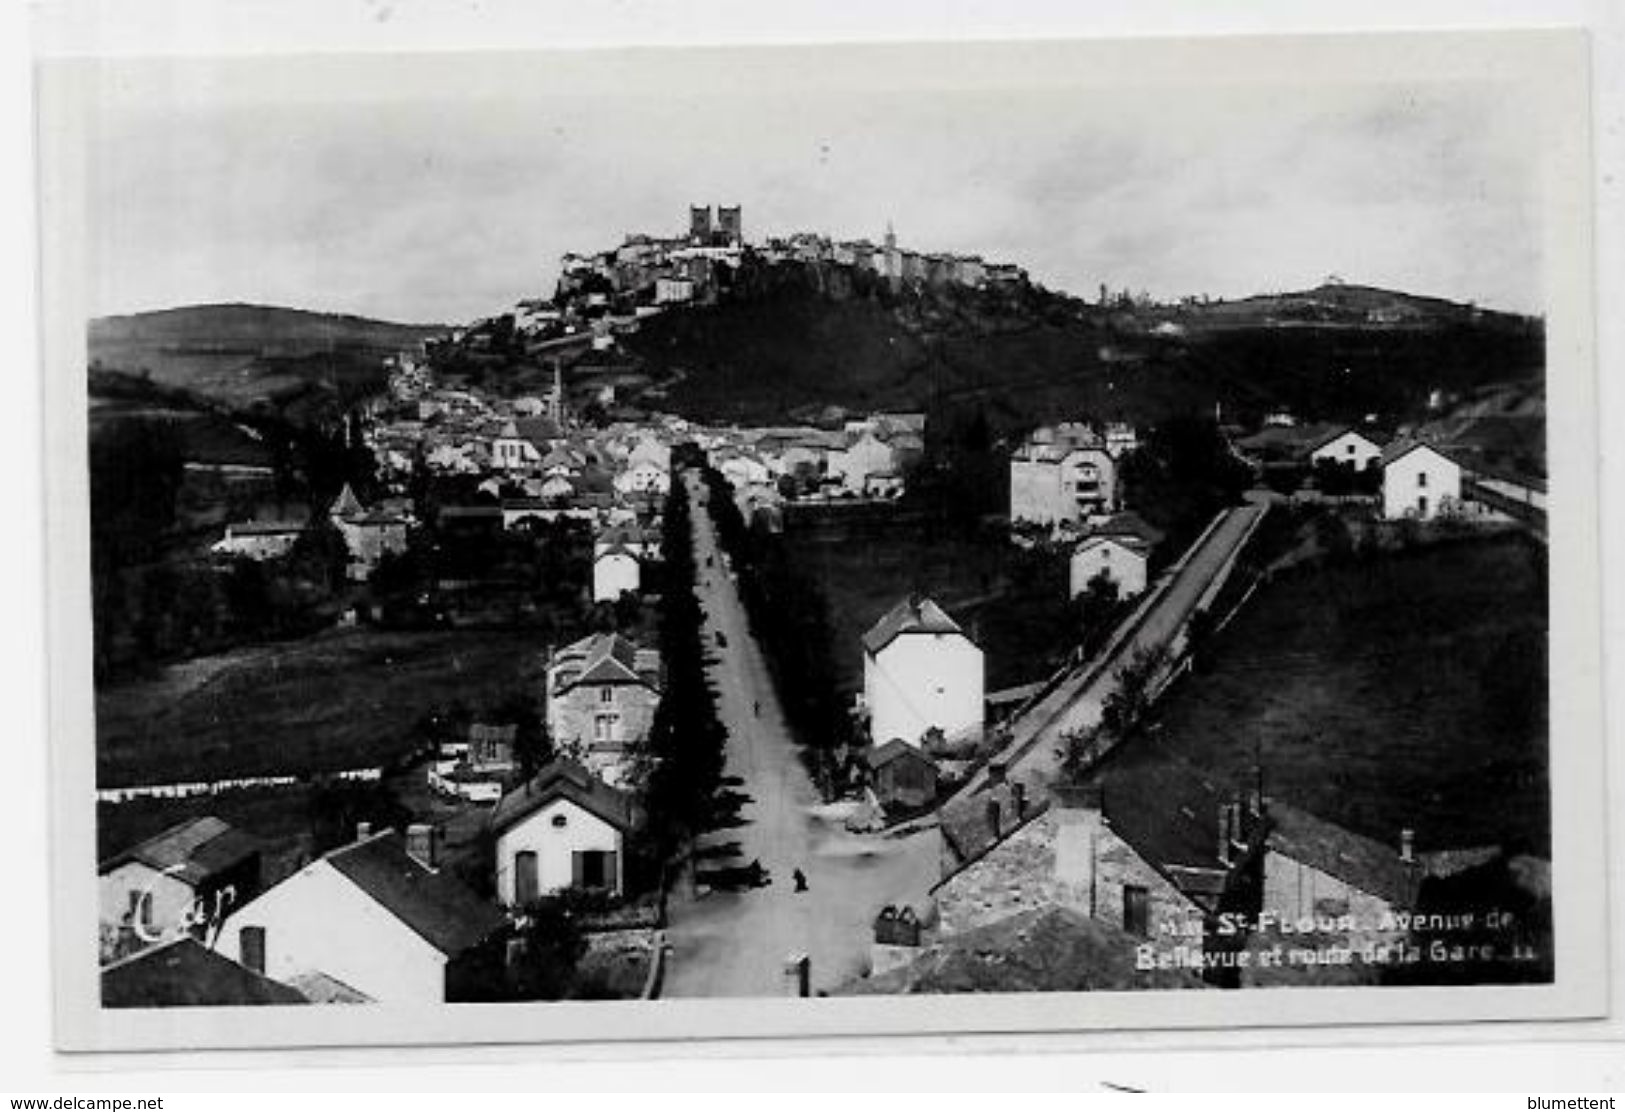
902 776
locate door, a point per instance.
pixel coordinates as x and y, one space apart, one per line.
1136 910
527 881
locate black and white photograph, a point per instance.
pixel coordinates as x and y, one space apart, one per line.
588 544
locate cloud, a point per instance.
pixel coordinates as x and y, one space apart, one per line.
440 192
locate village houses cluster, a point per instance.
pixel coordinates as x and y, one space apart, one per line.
190 915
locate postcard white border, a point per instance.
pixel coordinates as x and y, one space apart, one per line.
1548 67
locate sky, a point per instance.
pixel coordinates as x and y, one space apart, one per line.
441 188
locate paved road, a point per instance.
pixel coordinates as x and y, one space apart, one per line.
736 944
1033 753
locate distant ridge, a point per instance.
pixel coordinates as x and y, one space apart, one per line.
240 321
309 365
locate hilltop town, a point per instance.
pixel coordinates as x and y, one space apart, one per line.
505 679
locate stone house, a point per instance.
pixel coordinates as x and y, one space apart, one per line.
602 692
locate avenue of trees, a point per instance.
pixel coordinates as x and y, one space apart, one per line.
789 617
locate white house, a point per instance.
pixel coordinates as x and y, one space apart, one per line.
259 540
1350 448
649 450
512 452
563 829
1055 484
615 571
1120 559
643 477
1419 481
920 671
673 291
743 470
387 923
867 455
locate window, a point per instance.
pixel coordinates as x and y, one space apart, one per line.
251 948
606 694
1136 910
593 868
1421 480
605 727
1422 505
1351 449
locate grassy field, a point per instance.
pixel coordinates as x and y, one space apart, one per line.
867 563
1406 691
338 700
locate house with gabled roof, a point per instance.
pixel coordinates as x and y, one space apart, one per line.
602 692
178 881
390 924
563 828
921 672
369 534
259 540
1420 480
616 571
1347 447
1119 558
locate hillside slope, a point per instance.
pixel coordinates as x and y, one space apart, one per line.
242 354
1027 357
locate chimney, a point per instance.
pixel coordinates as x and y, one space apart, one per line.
993 816
995 773
363 831
423 844
798 975
1407 845
1018 799
1080 824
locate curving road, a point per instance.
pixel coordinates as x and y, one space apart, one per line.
736 943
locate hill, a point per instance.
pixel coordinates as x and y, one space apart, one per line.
770 351
1386 691
242 354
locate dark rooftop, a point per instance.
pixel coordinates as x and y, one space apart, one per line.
193 851
1047 949
909 616
182 973
565 779
434 904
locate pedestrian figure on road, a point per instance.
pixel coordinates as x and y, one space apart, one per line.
801 880
756 708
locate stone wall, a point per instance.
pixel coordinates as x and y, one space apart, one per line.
1067 856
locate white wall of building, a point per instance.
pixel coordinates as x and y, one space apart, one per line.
555 846
1120 563
1049 492
1420 484
612 575
922 680
318 921
166 898
1350 449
